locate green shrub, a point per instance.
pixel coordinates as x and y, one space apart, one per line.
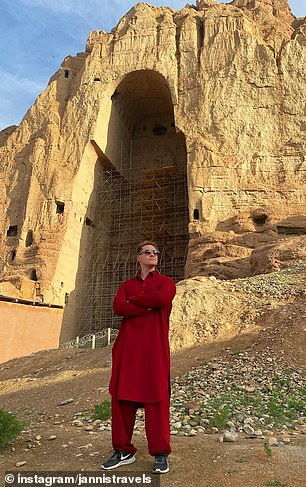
102 411
221 414
276 483
267 449
10 428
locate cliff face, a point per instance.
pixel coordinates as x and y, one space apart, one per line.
229 78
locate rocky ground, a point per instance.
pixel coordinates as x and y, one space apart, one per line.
238 404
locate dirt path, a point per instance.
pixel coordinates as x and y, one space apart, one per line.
195 461
33 386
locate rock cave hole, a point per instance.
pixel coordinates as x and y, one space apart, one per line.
260 219
13 254
33 275
196 214
89 222
12 231
159 129
29 238
60 206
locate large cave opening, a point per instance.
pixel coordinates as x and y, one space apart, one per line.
140 194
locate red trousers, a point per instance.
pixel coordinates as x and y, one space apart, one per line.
157 424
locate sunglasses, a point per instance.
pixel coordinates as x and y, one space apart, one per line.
149 252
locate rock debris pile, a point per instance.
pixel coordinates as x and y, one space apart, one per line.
207 309
244 392
284 284
250 393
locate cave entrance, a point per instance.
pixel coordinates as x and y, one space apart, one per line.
141 193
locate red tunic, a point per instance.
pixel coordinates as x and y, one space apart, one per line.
141 355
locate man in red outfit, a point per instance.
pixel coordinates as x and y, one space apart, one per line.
141 362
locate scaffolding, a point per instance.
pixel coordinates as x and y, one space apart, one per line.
130 206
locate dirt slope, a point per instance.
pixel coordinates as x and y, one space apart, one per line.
33 387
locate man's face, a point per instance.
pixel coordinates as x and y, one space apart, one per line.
146 257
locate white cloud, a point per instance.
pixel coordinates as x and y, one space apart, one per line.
95 14
17 94
10 82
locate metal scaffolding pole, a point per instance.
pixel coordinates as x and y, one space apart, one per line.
131 205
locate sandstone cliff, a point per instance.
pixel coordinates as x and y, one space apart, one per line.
228 78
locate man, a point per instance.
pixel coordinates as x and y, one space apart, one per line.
141 362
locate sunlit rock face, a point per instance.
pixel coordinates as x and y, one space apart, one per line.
216 91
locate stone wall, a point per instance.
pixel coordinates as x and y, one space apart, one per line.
236 77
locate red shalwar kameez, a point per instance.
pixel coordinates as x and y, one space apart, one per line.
141 361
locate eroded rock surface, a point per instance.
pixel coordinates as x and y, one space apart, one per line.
236 77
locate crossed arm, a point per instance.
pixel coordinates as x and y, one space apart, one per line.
123 307
142 304
158 299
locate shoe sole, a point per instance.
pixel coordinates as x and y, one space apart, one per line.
128 461
161 471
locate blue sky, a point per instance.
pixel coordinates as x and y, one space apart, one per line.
36 35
